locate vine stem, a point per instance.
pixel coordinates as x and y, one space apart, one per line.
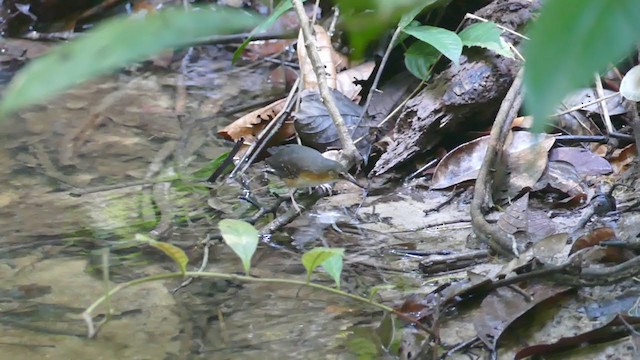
92 329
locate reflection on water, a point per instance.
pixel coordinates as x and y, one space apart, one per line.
120 129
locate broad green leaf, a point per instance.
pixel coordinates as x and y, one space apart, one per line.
410 14
447 42
172 251
366 20
569 42
317 256
333 266
485 35
113 44
279 10
419 58
242 238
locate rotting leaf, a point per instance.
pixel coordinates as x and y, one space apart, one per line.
526 159
242 238
623 157
172 251
562 176
594 238
316 129
584 161
514 219
621 326
504 305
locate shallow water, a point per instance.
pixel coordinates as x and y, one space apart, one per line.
115 130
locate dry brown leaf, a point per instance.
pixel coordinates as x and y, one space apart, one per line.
345 79
623 157
585 162
526 158
563 177
324 47
250 125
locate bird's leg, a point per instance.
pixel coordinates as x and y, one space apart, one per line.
293 201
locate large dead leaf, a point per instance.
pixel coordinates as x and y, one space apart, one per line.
346 79
621 326
250 125
563 177
316 129
526 157
325 50
584 161
502 307
623 157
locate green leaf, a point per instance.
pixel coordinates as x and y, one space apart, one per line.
570 41
447 42
333 266
279 10
318 256
419 58
410 14
242 238
113 44
485 35
172 251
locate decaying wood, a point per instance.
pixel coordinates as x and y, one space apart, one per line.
464 93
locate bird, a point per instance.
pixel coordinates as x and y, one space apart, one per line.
300 166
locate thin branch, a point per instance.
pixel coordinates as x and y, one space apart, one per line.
350 152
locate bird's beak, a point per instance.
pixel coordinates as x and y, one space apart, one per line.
351 179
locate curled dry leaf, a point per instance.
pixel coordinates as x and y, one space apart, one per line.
346 79
563 177
623 157
250 125
325 50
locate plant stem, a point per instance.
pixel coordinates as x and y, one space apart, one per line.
241 278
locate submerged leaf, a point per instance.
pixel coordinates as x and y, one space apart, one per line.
172 251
